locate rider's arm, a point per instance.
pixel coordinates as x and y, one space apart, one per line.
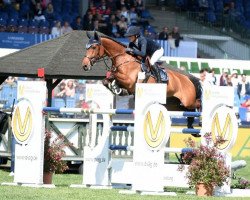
141 52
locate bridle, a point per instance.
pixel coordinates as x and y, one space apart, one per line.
103 58
93 59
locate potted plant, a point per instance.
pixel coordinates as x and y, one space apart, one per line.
207 167
53 154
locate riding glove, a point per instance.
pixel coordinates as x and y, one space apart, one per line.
129 50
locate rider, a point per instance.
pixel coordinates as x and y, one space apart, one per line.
141 46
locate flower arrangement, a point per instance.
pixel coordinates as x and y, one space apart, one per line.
242 183
206 163
53 153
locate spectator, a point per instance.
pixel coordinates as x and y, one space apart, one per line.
96 26
102 24
112 5
132 17
88 24
61 93
148 34
118 15
66 28
92 8
49 13
171 41
70 88
212 77
113 29
243 88
233 12
234 78
80 92
86 15
12 28
176 36
77 24
112 18
203 78
121 3
224 78
139 4
103 9
11 80
45 3
56 29
164 34
39 12
246 104
122 25
124 12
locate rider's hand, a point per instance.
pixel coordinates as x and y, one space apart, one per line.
129 50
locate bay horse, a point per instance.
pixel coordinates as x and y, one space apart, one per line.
183 89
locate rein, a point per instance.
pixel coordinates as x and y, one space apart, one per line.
114 68
98 59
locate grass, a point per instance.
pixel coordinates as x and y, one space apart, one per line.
64 192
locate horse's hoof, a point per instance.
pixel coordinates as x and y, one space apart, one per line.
117 91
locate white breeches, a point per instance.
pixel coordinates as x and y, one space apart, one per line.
156 56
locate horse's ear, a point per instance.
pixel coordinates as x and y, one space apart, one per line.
97 37
88 34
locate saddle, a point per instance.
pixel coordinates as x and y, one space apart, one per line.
155 71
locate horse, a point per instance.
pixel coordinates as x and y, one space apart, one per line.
183 89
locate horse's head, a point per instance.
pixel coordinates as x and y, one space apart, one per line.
94 52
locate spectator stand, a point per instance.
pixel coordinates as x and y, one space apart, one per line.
8 95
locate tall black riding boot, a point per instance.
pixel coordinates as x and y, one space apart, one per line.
157 73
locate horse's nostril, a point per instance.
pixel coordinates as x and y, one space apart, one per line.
85 67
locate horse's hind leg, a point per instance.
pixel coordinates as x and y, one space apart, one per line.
190 122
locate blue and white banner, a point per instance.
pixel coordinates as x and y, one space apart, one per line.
21 41
186 49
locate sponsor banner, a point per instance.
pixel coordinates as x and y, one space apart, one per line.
224 125
100 95
240 149
28 130
96 153
152 128
20 41
213 96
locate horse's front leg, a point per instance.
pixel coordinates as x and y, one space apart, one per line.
111 83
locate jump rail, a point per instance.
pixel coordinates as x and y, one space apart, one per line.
166 150
113 111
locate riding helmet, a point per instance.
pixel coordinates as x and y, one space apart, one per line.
132 30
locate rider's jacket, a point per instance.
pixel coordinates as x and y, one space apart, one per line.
144 47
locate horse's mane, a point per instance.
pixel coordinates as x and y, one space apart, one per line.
110 38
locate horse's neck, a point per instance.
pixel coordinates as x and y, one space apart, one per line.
111 47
